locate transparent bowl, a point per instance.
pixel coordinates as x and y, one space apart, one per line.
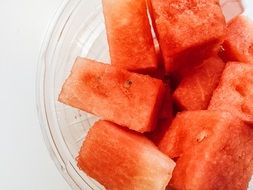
77 30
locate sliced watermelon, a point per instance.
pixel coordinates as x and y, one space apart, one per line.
238 44
215 151
189 129
165 116
121 159
182 26
129 35
196 88
128 99
235 90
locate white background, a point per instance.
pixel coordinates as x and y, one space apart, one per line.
24 160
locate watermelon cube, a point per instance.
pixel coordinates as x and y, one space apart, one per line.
121 159
114 94
215 151
238 43
188 129
235 90
182 26
129 35
196 88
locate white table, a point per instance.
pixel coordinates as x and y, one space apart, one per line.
24 160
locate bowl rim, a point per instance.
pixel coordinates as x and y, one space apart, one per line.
39 96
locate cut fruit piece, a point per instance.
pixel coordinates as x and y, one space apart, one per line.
196 88
238 44
114 94
184 25
234 91
129 35
121 159
215 151
189 129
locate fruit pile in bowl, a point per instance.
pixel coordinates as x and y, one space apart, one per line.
175 101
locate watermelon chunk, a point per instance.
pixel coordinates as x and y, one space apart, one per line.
186 61
114 94
182 26
189 129
238 43
235 90
121 159
196 88
215 151
129 35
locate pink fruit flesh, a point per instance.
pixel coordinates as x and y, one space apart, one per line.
129 35
113 94
121 159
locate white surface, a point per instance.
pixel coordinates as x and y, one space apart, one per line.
24 160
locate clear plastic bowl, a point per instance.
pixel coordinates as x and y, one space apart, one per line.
77 30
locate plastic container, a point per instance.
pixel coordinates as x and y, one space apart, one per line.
77 30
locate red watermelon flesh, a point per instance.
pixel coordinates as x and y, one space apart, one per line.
129 35
184 25
166 111
162 126
216 155
238 43
159 73
196 88
121 159
189 129
235 90
185 62
114 94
